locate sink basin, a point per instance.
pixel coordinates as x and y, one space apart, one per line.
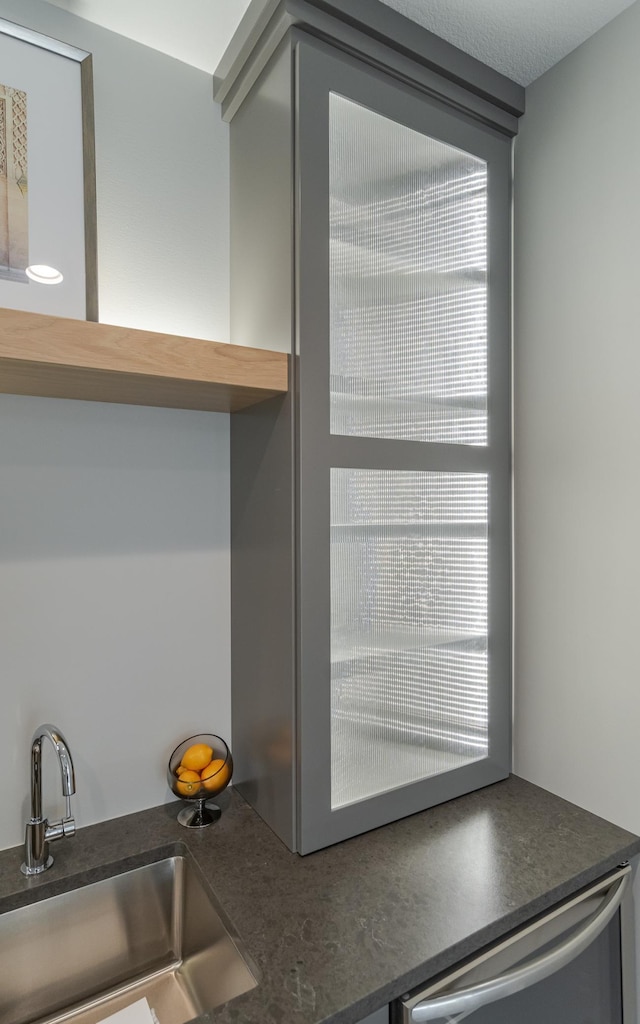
152 931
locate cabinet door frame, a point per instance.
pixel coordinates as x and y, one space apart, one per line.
318 71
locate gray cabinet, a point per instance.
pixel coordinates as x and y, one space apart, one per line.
380 1017
370 508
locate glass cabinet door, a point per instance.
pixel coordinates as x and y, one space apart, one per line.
408 627
403 374
408 278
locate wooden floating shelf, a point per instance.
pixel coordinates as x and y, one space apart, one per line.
54 357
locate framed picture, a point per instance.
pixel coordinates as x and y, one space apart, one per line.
47 176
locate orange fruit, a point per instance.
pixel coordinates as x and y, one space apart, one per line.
216 775
189 783
197 757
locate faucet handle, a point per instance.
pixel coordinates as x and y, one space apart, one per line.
63 829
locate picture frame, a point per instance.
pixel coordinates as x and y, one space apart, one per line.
47 176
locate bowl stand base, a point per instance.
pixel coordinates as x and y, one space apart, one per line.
201 816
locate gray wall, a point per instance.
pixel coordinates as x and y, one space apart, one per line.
577 427
114 531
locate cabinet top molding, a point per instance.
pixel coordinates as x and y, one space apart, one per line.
59 358
379 35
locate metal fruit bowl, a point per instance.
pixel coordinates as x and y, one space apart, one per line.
199 784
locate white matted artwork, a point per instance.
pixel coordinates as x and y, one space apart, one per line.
47 176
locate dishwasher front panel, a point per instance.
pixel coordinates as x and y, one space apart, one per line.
566 967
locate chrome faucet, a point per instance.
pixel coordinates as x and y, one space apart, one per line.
39 833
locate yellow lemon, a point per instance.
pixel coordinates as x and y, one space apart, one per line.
188 784
197 757
216 775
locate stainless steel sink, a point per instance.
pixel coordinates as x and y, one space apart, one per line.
153 931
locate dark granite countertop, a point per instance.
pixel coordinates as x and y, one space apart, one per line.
341 932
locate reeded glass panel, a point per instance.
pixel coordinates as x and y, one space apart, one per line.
408 282
408 627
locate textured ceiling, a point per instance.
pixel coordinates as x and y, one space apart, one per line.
520 38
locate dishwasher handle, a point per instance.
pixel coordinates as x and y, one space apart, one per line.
466 1000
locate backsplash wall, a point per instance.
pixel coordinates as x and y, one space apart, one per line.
114 520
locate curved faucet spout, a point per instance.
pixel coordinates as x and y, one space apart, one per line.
67 773
39 832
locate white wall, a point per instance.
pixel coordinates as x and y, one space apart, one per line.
577 424
114 520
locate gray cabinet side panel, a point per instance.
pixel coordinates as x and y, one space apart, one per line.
262 684
263 701
261 211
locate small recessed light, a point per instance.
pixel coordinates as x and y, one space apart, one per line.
43 274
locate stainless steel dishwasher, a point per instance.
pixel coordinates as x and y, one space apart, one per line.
575 964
